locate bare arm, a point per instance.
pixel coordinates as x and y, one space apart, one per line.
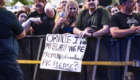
103 31
117 33
26 25
58 25
22 35
49 10
56 29
76 31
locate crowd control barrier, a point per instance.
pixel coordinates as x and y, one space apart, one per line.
105 58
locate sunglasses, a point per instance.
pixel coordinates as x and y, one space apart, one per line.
72 8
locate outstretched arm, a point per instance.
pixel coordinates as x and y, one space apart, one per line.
26 25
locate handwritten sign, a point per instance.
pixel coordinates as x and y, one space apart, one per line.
63 52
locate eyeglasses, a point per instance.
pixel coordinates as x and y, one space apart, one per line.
90 0
64 1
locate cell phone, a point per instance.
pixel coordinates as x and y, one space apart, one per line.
63 14
93 27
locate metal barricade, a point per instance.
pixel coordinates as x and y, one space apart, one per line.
110 49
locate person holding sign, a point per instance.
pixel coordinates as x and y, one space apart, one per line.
67 19
10 31
65 25
41 20
92 22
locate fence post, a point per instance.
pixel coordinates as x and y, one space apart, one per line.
127 54
117 58
114 43
31 54
96 57
39 51
60 74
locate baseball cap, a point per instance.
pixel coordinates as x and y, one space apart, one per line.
121 1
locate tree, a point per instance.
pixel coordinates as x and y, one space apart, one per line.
116 1
49 1
25 2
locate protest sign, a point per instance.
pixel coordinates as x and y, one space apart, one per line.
63 52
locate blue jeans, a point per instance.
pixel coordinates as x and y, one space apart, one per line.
10 70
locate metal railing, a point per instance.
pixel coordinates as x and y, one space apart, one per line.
115 59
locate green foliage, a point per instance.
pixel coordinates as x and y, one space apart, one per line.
115 1
25 2
49 1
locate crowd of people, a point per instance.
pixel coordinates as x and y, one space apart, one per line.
91 20
69 17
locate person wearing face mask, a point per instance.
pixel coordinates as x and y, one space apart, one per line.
66 23
41 20
99 19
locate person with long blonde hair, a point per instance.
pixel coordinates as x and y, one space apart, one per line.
66 22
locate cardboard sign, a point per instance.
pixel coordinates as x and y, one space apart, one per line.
63 52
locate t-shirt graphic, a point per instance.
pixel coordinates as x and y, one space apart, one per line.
131 21
123 21
45 17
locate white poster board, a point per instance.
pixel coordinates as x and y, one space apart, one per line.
63 52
